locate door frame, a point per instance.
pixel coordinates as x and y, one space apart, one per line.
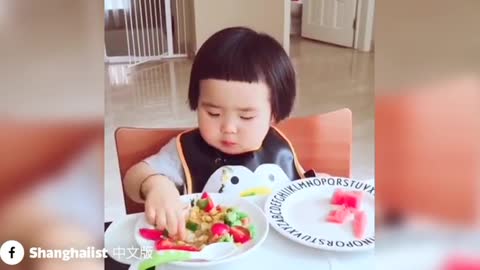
364 35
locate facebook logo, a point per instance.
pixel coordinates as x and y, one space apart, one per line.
12 252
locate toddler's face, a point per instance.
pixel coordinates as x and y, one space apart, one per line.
233 116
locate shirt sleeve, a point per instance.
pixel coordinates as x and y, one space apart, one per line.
167 162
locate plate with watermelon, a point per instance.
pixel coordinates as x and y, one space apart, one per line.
212 218
331 213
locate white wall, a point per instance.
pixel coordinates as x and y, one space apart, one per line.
269 16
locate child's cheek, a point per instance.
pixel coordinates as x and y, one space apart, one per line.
211 125
208 124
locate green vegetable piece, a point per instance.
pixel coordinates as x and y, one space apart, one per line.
241 215
226 238
253 231
192 226
231 217
236 223
202 203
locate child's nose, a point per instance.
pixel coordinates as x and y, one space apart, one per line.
228 127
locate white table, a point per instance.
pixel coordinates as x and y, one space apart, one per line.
279 253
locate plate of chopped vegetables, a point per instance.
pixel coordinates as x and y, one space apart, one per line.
212 218
332 213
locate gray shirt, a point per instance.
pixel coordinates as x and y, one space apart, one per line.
167 162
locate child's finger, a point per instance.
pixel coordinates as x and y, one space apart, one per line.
185 212
181 224
160 221
172 223
150 215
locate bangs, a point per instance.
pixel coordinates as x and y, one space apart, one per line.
234 61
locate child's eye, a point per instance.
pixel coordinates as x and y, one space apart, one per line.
247 117
213 114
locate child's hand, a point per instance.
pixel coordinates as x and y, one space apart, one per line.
163 207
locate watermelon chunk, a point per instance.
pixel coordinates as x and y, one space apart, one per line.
353 200
458 262
338 216
360 224
349 199
338 197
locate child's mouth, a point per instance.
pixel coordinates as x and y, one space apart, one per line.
228 143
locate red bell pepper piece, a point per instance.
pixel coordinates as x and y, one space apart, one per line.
151 234
164 244
206 203
220 229
240 234
205 195
210 205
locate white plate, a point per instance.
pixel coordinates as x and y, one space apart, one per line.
254 212
118 237
301 216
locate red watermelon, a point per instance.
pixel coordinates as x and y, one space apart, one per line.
338 216
338 197
353 200
360 224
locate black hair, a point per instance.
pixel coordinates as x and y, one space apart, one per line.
241 54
